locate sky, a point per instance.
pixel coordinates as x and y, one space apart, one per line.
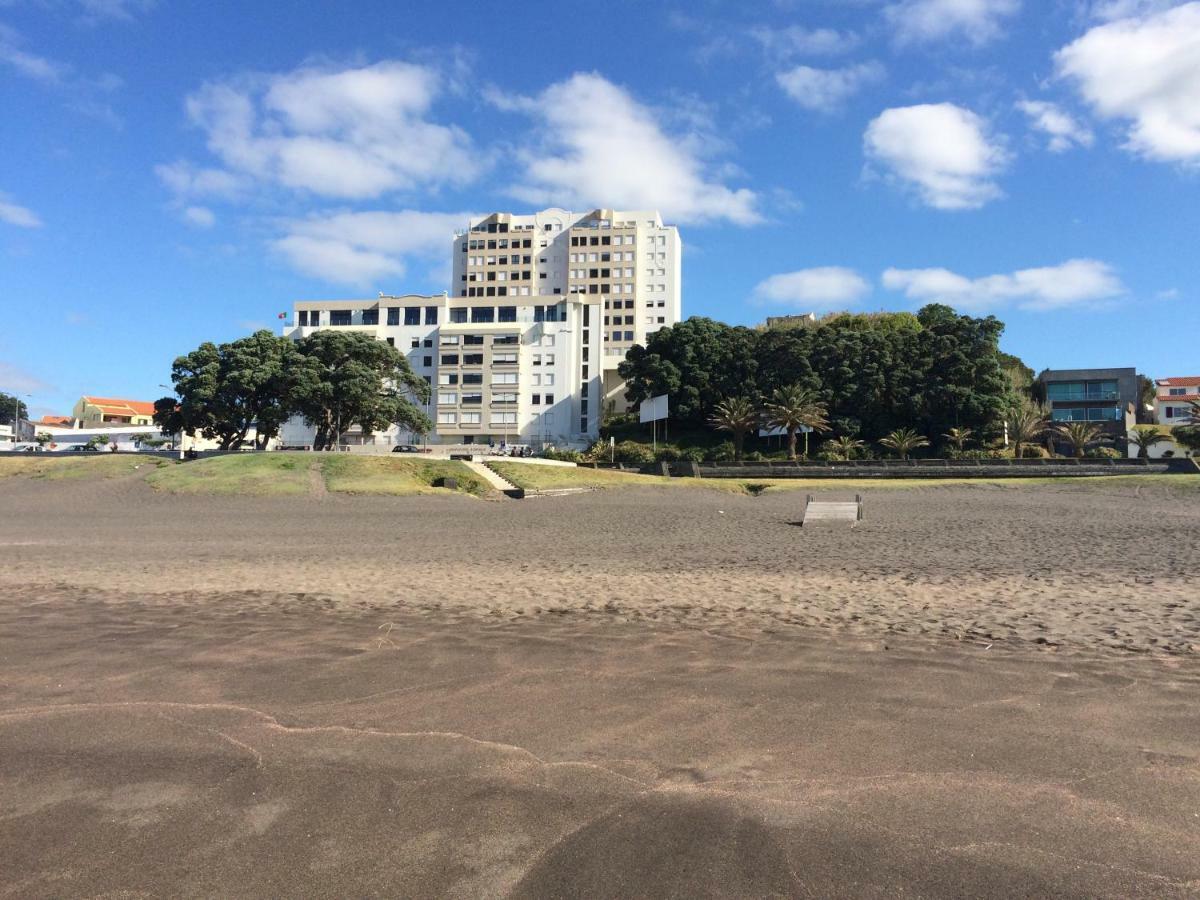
176 171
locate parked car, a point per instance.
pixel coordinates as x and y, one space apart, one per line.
28 447
89 448
406 448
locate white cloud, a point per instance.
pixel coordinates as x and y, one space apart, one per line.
19 382
360 248
795 40
824 90
941 150
1073 283
347 133
1063 129
922 21
186 180
25 63
17 215
597 146
1108 10
200 216
1145 70
814 289
98 10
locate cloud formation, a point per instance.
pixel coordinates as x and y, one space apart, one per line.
200 216
347 133
815 289
1144 70
360 248
1075 282
796 40
924 21
595 145
941 151
1063 130
14 214
30 65
825 90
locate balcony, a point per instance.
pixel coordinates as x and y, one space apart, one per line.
1082 396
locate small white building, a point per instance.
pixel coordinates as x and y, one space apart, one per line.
1174 397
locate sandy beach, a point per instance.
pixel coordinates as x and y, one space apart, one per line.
981 690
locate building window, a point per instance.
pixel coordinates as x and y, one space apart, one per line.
472 359
447 418
391 342
458 315
472 378
448 378
504 378
412 315
304 317
507 314
548 379
449 359
447 398
473 340
471 418
536 400
1171 392
446 340
472 399
427 361
505 339
370 317
431 315
339 317
483 314
549 399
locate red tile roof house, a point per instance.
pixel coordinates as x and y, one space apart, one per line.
1174 397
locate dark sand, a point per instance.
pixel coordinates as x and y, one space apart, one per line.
980 692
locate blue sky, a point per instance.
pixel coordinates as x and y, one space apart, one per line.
173 172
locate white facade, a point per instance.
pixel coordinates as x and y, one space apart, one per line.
524 369
1173 398
627 260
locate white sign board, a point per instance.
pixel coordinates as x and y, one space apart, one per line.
653 409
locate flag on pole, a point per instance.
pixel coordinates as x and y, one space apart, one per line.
283 315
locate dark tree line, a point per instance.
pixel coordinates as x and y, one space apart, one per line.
335 380
931 372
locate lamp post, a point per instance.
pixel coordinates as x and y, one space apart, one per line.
16 425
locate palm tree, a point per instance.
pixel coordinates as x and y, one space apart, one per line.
1077 434
844 447
904 441
1144 437
737 415
795 407
1025 427
958 437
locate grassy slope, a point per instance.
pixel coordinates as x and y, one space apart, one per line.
76 465
535 477
248 473
387 475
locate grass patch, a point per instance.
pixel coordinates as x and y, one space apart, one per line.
537 477
397 477
258 474
55 467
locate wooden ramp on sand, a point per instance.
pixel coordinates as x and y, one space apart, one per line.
833 510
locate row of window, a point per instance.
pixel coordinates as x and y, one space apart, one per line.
469 340
1082 390
600 273
1087 414
626 256
496 244
522 291
499 260
582 240
514 275
474 418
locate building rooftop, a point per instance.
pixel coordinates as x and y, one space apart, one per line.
117 407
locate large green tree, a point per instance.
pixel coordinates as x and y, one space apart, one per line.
10 406
342 379
224 390
935 370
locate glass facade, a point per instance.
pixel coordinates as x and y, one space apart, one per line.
1087 414
1082 390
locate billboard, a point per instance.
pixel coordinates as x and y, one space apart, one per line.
653 409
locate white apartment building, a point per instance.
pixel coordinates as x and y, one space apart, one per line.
502 368
627 261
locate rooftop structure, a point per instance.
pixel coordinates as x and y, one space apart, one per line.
94 411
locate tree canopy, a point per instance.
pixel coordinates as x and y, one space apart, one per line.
10 406
335 380
874 373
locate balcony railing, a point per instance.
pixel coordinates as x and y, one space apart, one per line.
1075 396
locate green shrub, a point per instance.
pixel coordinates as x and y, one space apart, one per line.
753 456
633 453
723 452
562 455
1032 451
1103 453
692 454
668 454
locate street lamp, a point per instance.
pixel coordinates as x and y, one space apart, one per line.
16 426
